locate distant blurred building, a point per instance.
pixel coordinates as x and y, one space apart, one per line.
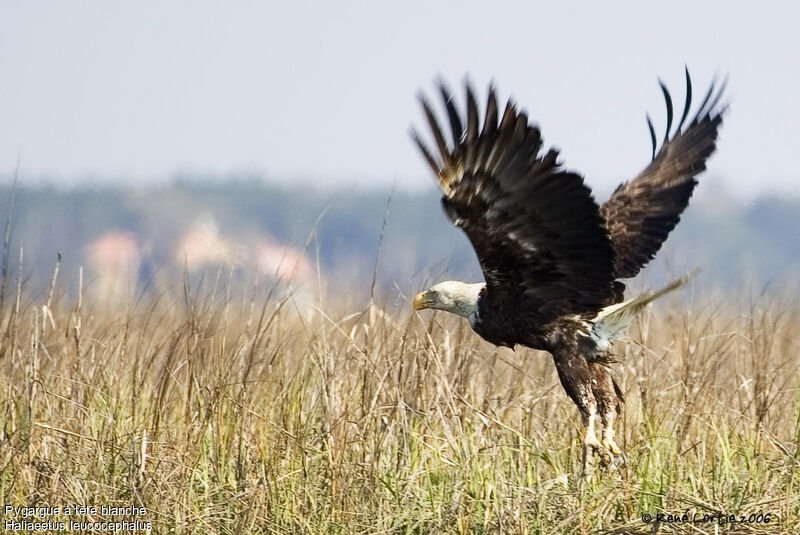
202 247
113 259
285 271
283 262
290 271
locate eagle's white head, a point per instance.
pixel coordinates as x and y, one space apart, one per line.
451 296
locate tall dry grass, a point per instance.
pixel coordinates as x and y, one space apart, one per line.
221 412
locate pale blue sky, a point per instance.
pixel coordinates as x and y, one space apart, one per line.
325 92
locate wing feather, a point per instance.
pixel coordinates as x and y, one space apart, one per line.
688 104
452 114
641 213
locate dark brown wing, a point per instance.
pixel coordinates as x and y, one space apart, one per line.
641 213
535 227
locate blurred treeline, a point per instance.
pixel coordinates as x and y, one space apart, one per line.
339 230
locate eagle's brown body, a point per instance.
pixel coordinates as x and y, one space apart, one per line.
552 258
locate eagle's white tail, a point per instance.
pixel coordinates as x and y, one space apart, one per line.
612 322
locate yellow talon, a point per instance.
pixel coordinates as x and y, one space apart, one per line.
610 445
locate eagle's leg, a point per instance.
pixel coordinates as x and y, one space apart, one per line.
573 371
590 442
589 417
609 399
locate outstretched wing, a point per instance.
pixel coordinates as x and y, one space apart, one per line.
536 229
641 213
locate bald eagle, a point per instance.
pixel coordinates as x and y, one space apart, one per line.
552 258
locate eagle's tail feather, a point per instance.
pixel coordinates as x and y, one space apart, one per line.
612 322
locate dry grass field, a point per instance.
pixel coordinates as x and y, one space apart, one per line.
222 413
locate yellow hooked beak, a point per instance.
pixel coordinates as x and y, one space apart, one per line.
421 301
